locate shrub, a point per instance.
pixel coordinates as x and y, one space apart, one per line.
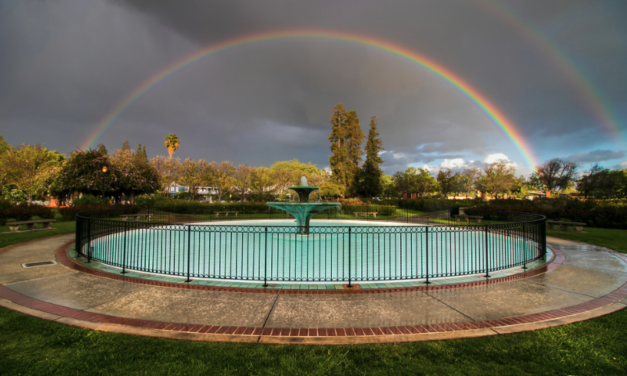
69 214
431 204
24 212
90 200
381 210
604 214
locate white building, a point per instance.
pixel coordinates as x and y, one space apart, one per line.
207 192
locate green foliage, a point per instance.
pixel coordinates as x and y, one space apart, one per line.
90 200
554 175
69 213
430 205
172 143
603 214
28 170
152 200
23 212
346 139
331 189
603 183
415 180
381 210
370 182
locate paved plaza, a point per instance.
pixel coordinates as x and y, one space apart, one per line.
582 282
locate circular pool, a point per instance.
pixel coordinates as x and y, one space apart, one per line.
334 251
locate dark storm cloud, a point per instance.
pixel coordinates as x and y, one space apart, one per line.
595 156
69 62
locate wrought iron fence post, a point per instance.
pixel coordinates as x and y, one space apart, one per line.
524 246
349 256
265 262
124 249
189 251
427 253
88 240
487 275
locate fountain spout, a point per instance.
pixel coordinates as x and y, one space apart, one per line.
303 210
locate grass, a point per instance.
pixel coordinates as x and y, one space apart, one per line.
19 237
31 346
610 238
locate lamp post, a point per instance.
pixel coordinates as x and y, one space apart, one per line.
104 170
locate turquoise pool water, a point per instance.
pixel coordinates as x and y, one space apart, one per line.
334 251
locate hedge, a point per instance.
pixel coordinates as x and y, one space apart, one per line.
603 214
24 212
434 204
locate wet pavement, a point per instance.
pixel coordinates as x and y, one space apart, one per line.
588 273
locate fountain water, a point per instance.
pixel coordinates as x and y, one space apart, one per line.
303 210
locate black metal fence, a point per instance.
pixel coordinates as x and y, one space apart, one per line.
413 246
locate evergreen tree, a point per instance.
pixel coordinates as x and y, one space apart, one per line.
140 154
102 149
354 138
126 145
370 177
339 160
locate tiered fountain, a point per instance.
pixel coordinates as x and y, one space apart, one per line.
303 210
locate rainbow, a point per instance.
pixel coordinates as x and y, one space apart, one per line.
586 90
487 107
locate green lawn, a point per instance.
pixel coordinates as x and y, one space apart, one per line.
31 346
14 238
610 238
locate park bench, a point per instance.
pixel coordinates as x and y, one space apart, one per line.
30 225
468 218
135 217
365 214
226 213
563 226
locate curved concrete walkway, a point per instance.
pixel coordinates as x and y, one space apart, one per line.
590 282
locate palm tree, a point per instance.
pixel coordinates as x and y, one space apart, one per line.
172 142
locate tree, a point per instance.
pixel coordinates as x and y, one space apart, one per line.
4 148
415 180
288 173
241 180
141 153
469 180
169 170
354 138
263 182
555 175
134 175
31 169
331 189
126 145
601 182
225 175
82 173
371 173
448 181
172 143
497 178
339 160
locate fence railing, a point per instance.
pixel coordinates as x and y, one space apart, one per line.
415 246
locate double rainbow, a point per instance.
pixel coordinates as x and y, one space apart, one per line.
487 107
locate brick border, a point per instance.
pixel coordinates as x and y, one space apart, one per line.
62 255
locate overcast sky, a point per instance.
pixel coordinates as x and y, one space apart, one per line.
555 68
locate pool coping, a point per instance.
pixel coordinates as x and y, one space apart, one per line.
79 263
597 307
